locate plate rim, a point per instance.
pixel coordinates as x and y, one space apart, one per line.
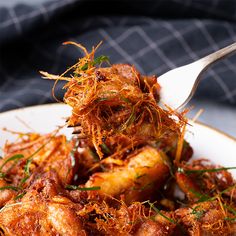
228 136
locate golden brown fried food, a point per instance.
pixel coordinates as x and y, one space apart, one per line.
207 218
116 102
200 178
43 210
120 172
140 176
40 153
5 194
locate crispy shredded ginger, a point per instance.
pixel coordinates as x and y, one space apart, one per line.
115 104
120 171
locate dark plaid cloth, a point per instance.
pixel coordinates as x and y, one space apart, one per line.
155 36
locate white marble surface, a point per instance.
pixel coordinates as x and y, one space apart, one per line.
218 116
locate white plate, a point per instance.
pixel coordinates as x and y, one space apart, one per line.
206 142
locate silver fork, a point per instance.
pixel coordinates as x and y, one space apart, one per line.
179 85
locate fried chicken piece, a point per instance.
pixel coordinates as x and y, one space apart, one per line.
45 152
6 194
151 227
117 102
200 178
142 174
43 210
207 218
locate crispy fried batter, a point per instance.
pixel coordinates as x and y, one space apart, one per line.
45 152
116 102
43 210
139 176
119 174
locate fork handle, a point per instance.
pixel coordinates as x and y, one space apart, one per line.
215 56
188 75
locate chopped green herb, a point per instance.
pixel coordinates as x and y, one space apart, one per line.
74 187
202 197
131 119
105 149
24 180
125 99
27 166
152 206
30 159
40 148
230 219
26 170
96 61
19 196
198 213
139 176
101 99
230 209
2 175
204 170
227 189
10 187
12 158
84 67
100 59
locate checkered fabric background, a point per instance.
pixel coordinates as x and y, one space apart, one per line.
155 36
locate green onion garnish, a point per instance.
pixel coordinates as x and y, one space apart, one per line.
152 206
12 158
204 170
74 187
19 196
96 61
10 187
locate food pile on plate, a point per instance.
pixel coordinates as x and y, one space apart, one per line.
125 171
